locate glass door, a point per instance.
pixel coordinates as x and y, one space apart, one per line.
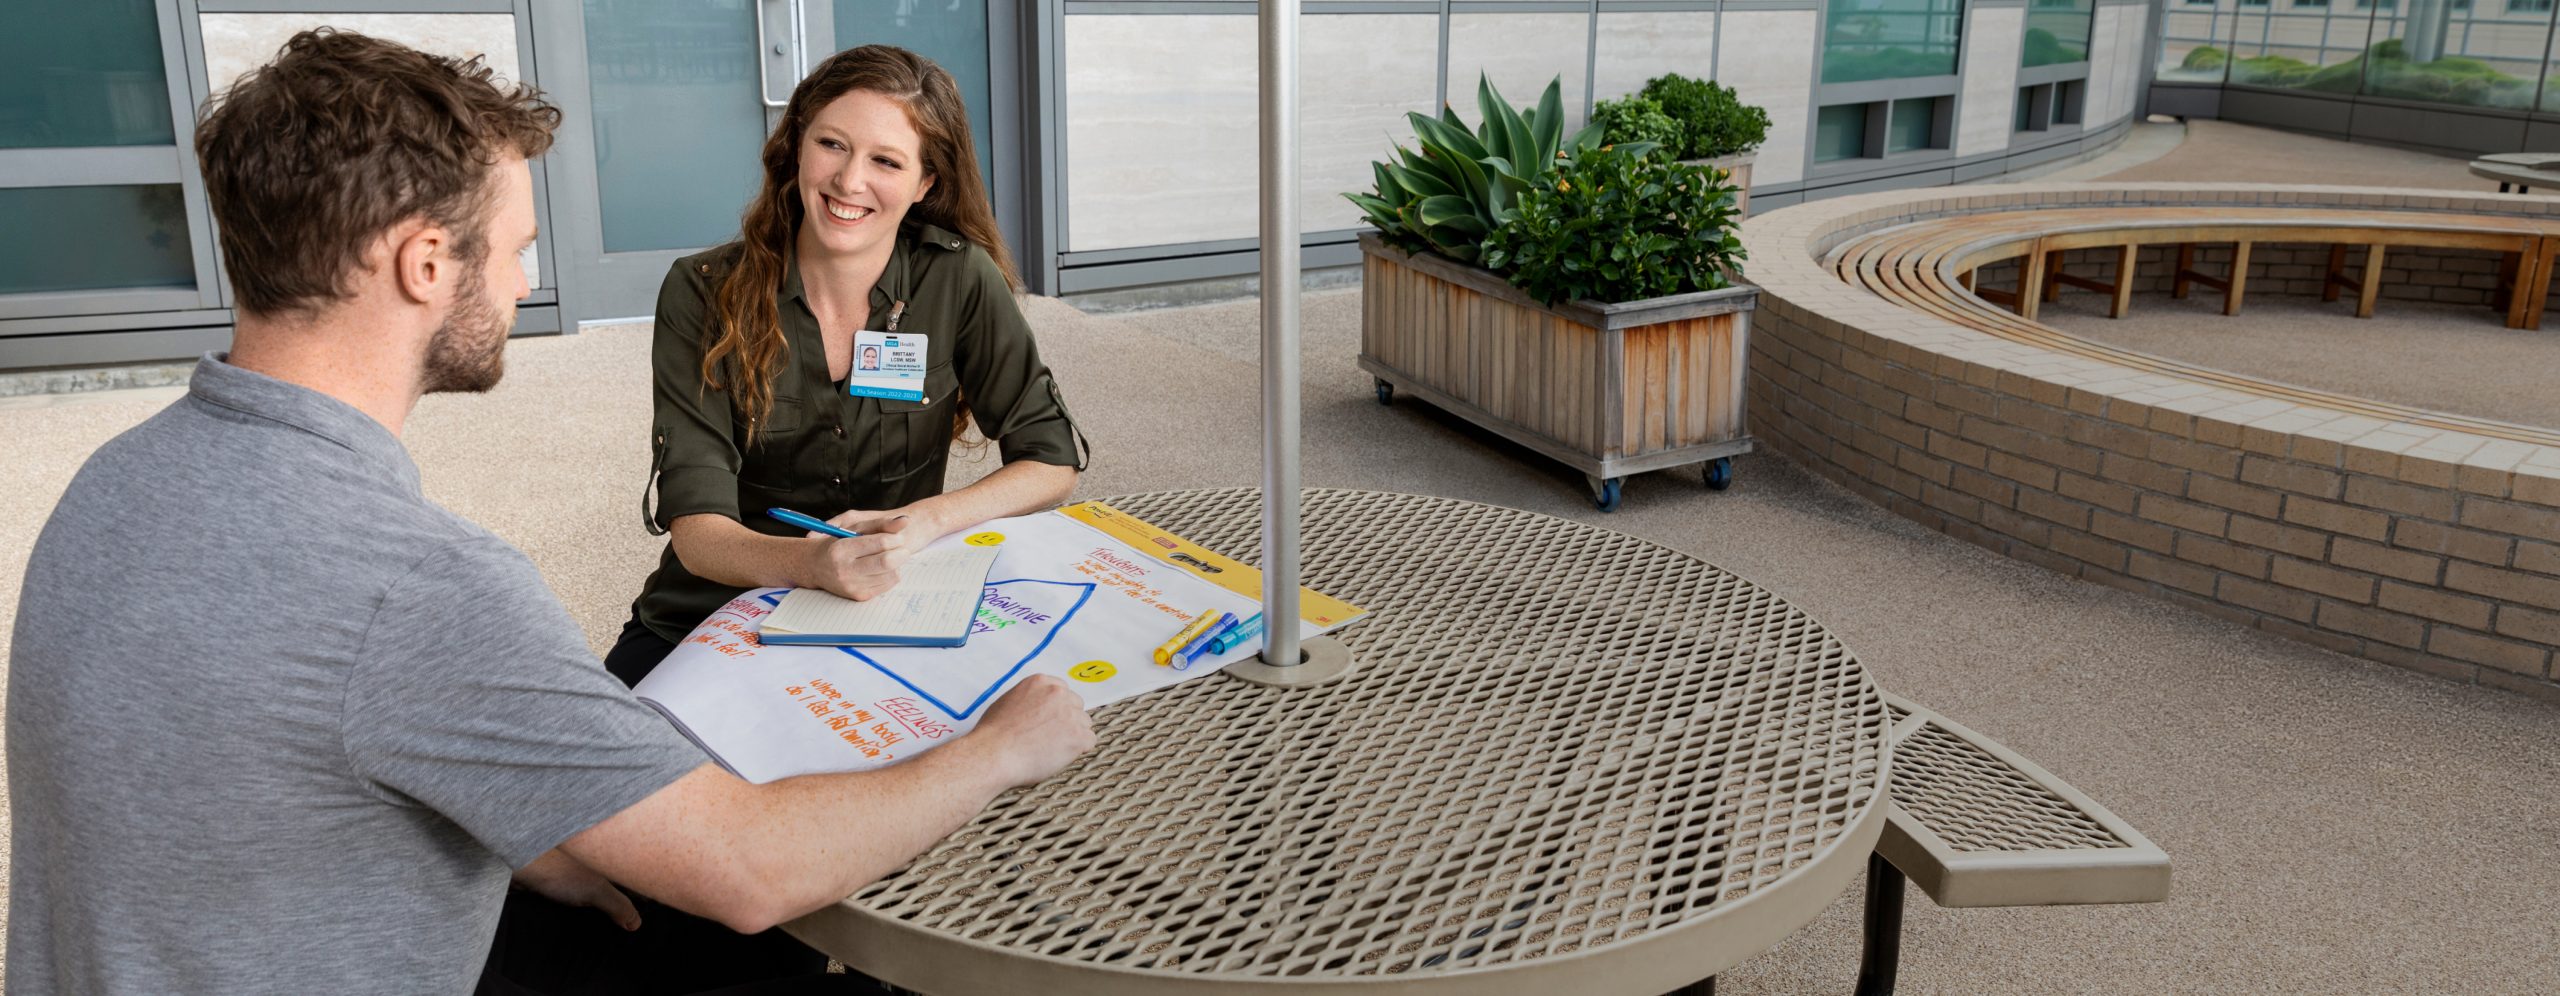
101 208
666 104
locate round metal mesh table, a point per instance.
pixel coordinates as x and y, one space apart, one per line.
1569 758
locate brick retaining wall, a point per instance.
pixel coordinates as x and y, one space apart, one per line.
2432 549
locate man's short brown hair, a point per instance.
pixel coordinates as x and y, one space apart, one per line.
309 158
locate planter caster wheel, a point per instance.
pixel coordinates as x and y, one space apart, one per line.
1386 392
1719 473
1605 494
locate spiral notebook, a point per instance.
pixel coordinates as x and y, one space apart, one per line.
934 605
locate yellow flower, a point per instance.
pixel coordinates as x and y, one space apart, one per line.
1565 186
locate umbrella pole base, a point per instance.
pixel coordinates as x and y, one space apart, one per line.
1327 661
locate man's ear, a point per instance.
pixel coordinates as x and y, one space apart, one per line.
421 259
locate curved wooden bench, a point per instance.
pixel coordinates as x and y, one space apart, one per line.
2036 237
1978 826
1926 267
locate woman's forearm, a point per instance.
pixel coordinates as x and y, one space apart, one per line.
1017 488
720 549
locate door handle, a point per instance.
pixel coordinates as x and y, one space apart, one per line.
799 44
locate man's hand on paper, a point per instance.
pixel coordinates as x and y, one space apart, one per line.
564 880
1030 733
865 566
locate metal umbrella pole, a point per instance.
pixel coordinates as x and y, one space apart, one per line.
1286 660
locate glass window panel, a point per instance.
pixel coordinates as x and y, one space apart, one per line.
679 119
1913 121
952 33
1840 132
1890 39
2195 43
2445 54
2057 32
129 237
2312 49
85 74
2022 117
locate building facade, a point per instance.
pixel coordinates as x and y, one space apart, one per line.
1118 136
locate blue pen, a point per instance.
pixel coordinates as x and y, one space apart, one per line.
1236 635
789 517
1199 645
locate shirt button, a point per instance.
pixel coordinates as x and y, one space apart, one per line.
837 481
839 432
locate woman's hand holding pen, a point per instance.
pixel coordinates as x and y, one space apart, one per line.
867 565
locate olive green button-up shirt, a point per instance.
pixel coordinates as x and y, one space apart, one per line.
821 450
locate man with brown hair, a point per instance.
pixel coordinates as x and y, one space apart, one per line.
276 723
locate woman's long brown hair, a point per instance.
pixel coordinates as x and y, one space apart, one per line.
746 329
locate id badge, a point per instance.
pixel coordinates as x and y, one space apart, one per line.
888 365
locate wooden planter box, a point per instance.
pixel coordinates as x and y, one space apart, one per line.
1607 389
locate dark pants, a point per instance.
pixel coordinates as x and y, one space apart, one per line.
549 949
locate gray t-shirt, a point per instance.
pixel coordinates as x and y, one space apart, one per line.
279 724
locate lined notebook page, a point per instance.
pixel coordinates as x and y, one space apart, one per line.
936 596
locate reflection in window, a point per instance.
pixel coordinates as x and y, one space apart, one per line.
1840 132
2195 45
677 119
130 236
1890 39
2298 50
79 75
2447 54
2057 32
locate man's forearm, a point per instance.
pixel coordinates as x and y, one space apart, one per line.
751 856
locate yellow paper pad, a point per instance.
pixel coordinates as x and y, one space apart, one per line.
1325 611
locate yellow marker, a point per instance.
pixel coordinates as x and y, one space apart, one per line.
1199 623
985 539
1093 672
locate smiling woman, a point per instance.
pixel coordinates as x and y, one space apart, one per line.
825 362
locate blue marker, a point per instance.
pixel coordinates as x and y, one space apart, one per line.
789 517
1236 635
1190 651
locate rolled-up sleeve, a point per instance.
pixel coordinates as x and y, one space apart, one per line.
1012 395
695 453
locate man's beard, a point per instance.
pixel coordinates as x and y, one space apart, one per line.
468 351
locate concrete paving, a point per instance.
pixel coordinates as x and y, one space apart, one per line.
2335 824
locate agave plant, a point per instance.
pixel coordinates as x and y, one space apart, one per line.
1464 184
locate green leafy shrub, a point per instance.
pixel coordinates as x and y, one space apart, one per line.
2204 58
1713 120
1460 187
1636 118
1615 225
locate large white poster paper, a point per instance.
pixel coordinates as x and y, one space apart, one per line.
1064 598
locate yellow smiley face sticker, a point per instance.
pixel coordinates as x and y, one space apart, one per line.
985 539
1092 672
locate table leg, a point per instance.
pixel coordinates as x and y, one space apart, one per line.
1883 953
1706 987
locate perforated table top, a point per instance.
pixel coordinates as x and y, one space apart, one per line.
1569 758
